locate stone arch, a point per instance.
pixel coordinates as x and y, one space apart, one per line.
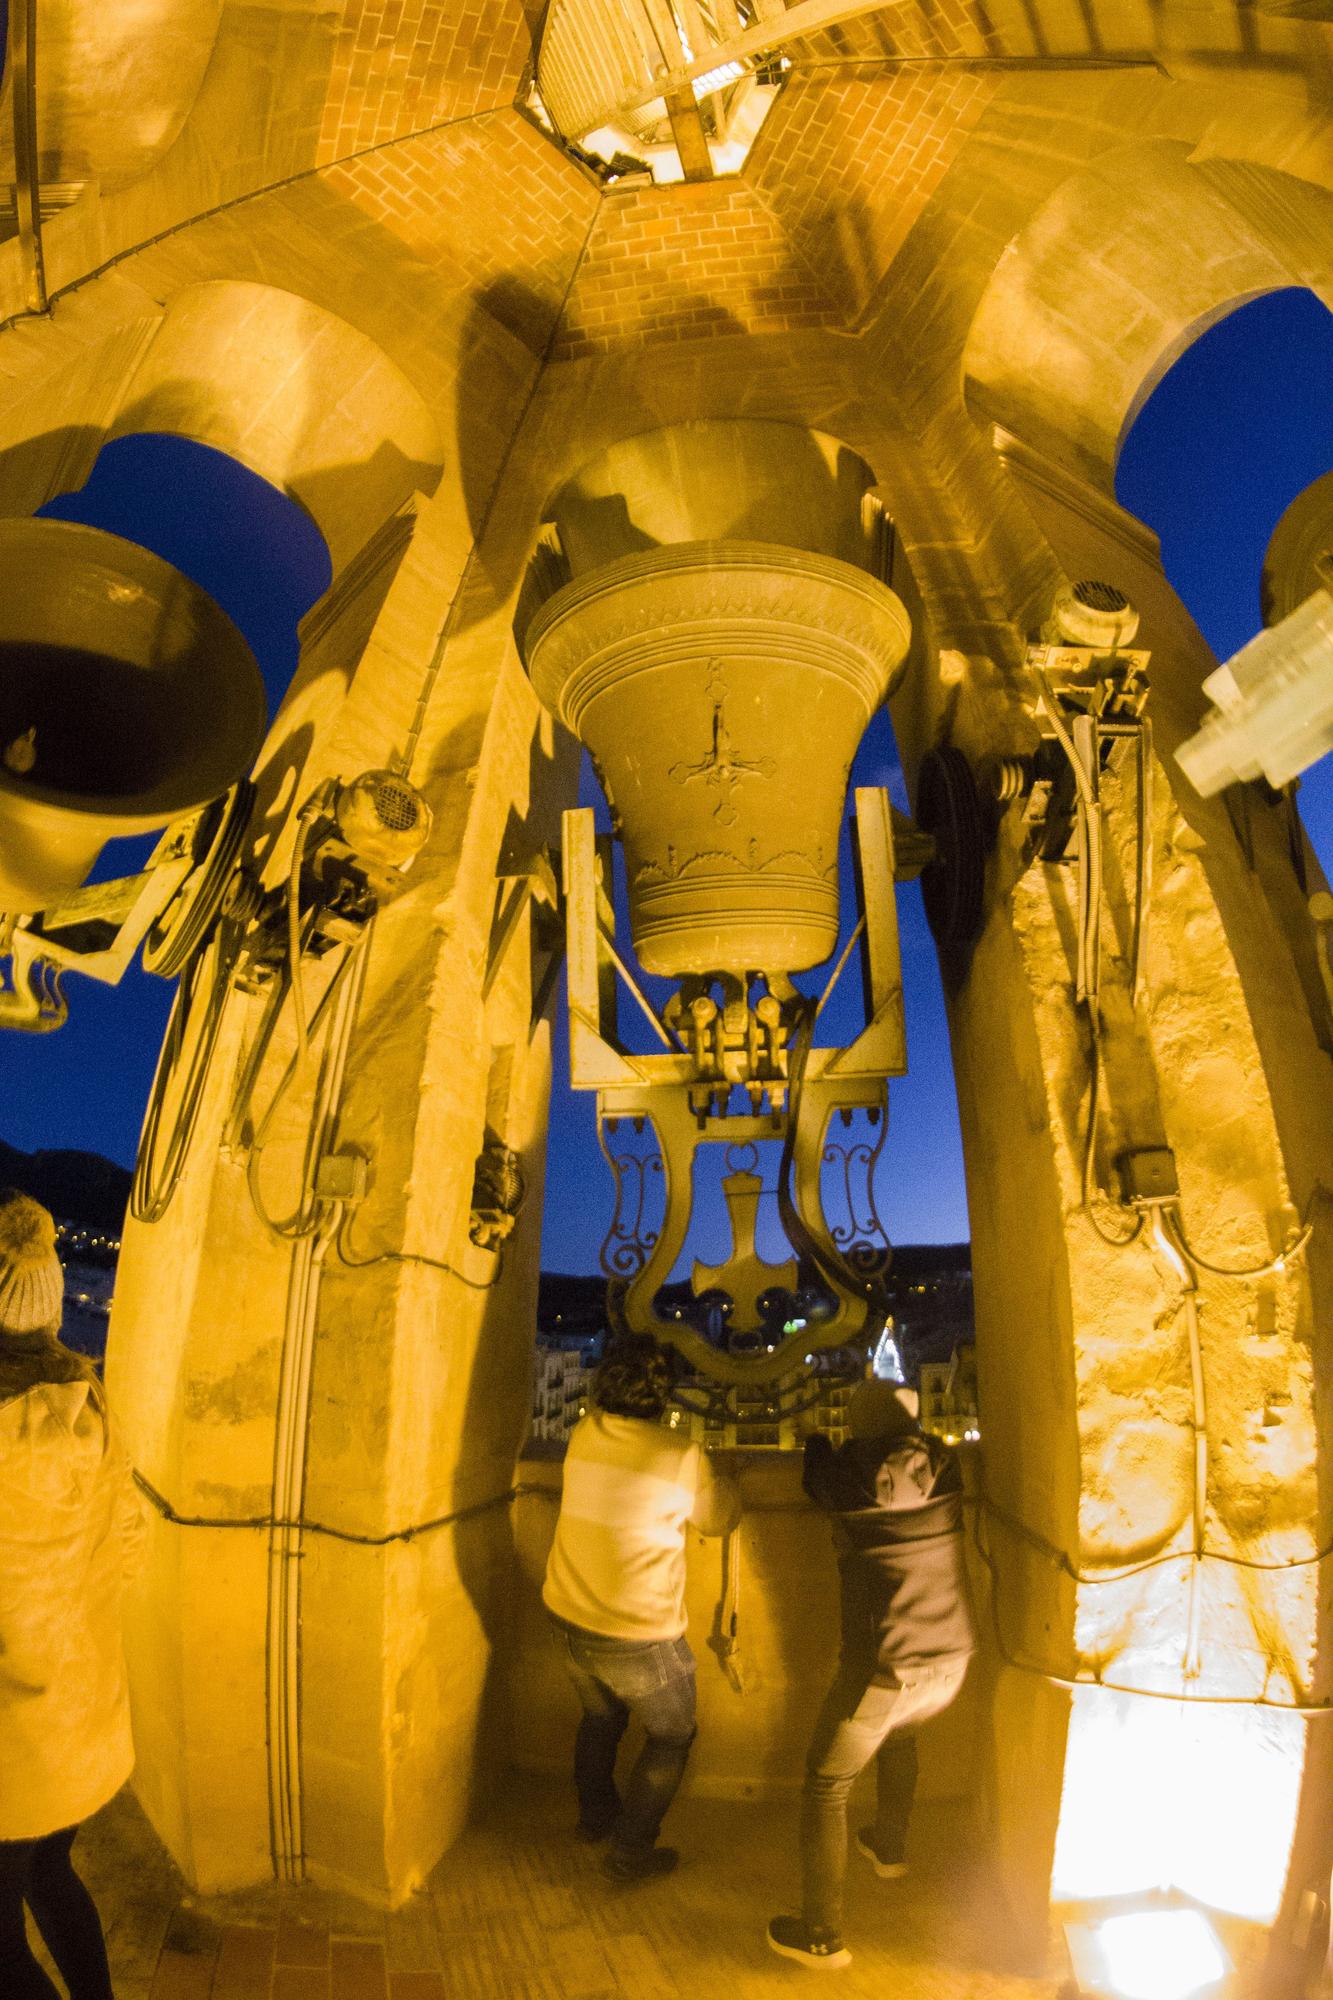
107 111
1069 340
296 394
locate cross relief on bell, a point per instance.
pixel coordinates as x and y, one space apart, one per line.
721 770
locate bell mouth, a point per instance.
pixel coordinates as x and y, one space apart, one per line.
125 690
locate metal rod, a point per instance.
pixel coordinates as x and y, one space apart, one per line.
836 973
668 1042
1143 869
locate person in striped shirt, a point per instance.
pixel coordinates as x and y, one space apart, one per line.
615 1587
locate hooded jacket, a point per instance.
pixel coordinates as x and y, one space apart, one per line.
70 1533
897 1503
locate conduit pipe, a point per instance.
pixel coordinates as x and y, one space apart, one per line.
1164 1234
27 158
291 1441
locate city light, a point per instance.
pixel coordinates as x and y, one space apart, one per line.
887 1365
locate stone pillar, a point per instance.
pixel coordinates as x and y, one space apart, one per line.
311 1650
1084 1354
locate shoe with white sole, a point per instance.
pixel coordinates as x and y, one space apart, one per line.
887 1866
821 1950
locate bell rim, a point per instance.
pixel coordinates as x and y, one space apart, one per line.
142 811
722 561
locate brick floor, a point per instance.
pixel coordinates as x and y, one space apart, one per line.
520 1911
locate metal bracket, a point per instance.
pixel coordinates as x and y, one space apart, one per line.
684 1093
534 884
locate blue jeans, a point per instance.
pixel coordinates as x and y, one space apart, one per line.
41 1874
858 1722
652 1681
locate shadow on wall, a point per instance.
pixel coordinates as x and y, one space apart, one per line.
616 408
499 1321
482 445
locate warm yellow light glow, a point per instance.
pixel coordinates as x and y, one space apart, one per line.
1170 1795
1160 1955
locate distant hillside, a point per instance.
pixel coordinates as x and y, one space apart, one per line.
77 1187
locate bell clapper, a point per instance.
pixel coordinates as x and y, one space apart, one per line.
20 755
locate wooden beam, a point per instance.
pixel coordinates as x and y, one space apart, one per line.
687 130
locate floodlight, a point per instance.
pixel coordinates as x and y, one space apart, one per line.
1168 1954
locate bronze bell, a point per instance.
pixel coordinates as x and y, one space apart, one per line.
127 697
722 688
713 624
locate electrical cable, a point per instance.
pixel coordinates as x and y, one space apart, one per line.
415 1257
299 843
1143 800
305 1216
1087 970
1062 1560
1161 1224
163 1506
153 1188
1091 1191
1274 1267
1075 1683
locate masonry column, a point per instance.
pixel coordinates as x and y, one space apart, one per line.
1146 1728
328 1423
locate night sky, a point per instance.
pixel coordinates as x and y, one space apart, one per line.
1240 425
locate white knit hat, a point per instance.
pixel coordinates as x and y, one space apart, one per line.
32 1282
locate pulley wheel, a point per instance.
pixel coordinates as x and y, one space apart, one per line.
184 924
952 885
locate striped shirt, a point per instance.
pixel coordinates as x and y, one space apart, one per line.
617 1564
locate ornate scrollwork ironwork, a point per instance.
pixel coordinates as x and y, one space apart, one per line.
859 1236
724 1403
629 1241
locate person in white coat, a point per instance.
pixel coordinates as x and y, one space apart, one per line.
70 1525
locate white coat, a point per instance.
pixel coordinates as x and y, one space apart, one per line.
70 1532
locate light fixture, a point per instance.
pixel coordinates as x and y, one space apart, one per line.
1152 1954
1272 715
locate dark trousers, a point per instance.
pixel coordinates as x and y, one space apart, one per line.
616 1679
41 1874
857 1722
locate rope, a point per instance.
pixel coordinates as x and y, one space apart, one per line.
725 1637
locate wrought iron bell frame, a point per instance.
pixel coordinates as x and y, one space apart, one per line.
795 1090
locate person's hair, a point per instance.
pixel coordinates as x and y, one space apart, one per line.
27 1359
882 1409
634 1379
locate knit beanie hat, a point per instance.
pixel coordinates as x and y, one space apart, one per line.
32 1282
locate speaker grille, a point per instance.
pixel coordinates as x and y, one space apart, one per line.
395 804
1100 596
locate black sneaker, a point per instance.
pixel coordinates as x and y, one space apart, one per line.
821 1950
592 1832
628 1864
889 1866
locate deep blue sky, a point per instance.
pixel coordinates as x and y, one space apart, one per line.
1239 426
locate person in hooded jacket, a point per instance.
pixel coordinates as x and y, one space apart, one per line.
70 1525
896 1497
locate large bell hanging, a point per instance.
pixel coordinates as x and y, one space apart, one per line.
722 688
127 697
